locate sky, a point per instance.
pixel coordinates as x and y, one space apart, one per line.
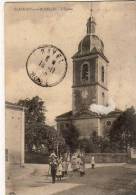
64 25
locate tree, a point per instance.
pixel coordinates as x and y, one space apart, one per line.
35 128
104 144
35 109
99 143
123 130
95 139
71 136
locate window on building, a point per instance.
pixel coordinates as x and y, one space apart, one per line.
85 72
102 73
103 98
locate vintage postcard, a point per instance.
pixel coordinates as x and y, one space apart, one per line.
70 75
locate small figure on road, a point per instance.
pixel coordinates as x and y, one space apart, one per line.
65 164
59 170
92 162
82 166
53 166
78 160
73 163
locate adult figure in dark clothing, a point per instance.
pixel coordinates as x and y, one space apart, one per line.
53 170
53 166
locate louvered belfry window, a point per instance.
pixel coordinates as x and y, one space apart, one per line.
85 72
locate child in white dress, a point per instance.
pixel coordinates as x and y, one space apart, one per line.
59 170
92 162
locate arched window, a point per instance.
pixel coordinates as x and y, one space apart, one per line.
102 73
85 72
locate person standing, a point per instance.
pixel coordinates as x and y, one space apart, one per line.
59 169
53 166
78 160
82 166
65 164
92 162
73 163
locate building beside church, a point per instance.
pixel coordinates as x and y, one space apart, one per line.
90 86
14 134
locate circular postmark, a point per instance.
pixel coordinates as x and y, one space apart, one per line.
46 66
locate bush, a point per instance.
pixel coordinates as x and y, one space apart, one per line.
86 145
70 135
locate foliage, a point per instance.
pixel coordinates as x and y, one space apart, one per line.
104 145
55 142
86 145
95 139
118 138
61 147
39 137
35 109
99 143
70 134
95 144
123 130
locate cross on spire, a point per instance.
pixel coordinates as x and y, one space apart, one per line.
91 8
91 21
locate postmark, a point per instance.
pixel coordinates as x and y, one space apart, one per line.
46 66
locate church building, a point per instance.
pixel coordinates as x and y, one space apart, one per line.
90 86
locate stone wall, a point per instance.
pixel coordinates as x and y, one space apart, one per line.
108 157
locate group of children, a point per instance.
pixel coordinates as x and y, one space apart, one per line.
62 168
78 164
59 166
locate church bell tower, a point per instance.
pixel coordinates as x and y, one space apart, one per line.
89 72
90 86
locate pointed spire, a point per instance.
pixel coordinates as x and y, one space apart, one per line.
91 22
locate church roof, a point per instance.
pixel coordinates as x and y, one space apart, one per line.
89 42
88 114
83 114
13 106
92 52
65 115
113 113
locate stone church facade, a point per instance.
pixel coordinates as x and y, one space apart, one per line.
90 86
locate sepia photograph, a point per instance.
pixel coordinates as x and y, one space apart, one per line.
70 99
